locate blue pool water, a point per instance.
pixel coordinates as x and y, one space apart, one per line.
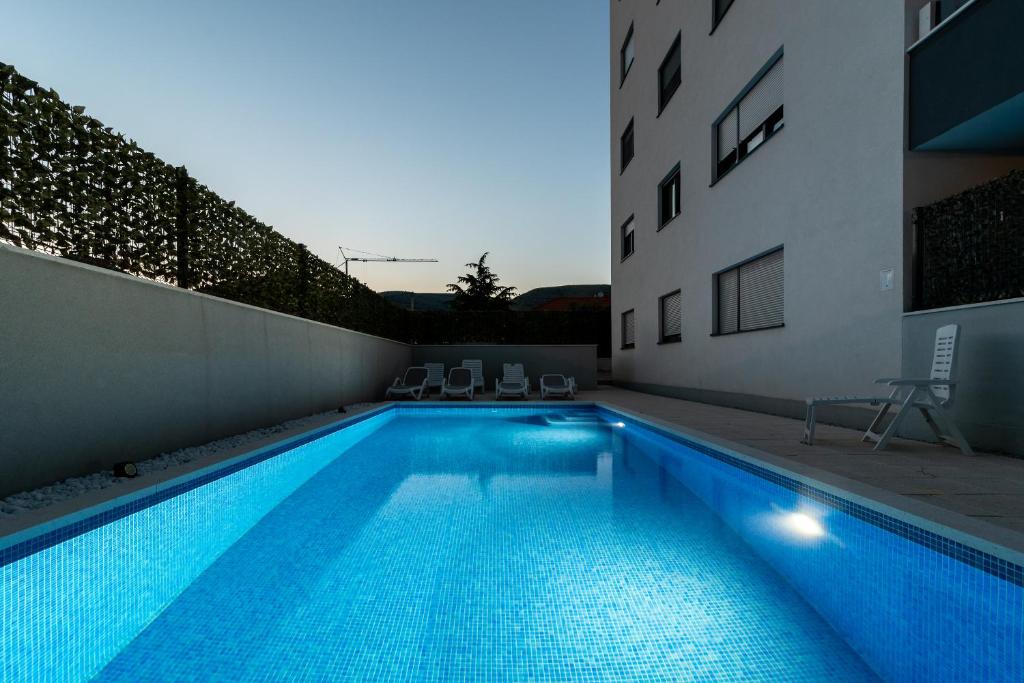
514 544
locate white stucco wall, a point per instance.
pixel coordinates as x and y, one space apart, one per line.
827 187
835 187
97 367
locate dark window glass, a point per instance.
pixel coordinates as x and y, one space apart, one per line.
750 296
721 7
947 7
626 146
669 197
670 318
627 237
627 55
753 118
628 330
669 74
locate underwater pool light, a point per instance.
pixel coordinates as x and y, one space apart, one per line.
804 524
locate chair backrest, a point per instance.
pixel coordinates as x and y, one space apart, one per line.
477 368
415 375
944 361
553 381
460 377
512 372
435 374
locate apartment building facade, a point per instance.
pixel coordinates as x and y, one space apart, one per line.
762 189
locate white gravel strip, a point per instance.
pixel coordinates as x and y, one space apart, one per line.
76 486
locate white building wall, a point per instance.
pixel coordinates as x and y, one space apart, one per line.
827 187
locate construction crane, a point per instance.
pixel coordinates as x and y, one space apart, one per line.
378 258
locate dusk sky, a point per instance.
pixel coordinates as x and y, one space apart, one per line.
408 128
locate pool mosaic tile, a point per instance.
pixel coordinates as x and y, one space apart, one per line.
525 542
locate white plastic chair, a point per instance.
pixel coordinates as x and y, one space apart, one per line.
514 382
414 384
477 368
557 385
933 397
460 383
435 376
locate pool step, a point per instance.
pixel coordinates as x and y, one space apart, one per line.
575 420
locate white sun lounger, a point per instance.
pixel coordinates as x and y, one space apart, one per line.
460 383
435 376
932 396
557 385
514 382
414 384
477 368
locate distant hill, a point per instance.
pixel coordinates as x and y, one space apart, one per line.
562 297
543 297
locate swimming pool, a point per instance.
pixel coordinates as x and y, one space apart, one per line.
485 543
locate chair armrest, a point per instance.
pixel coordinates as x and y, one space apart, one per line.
398 380
921 382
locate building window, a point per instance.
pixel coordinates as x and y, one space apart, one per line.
626 147
627 238
669 74
628 329
627 55
749 296
753 117
670 318
720 7
669 197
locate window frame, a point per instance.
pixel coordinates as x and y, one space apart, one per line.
622 239
663 100
630 131
715 18
676 172
672 338
622 330
732 106
715 313
623 68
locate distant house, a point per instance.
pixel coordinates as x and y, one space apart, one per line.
564 298
561 298
420 301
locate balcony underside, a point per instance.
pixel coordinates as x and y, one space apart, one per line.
999 129
967 81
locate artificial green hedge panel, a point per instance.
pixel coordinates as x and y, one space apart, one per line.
72 187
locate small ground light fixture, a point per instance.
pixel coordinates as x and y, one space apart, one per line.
126 469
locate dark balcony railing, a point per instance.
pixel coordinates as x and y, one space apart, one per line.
969 248
967 80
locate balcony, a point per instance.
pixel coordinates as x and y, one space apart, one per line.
967 81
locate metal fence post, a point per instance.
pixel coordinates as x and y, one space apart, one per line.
303 286
182 228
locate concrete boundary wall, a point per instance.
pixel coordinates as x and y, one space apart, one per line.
989 405
98 367
573 360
